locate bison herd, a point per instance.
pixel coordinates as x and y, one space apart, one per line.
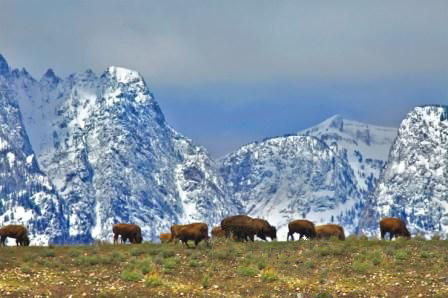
238 227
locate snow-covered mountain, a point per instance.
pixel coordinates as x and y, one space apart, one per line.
414 184
324 173
106 147
26 194
285 178
365 146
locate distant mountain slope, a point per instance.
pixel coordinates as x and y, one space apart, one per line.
107 148
414 184
291 177
26 194
365 146
324 175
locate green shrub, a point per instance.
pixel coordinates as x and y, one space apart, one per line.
309 264
194 263
131 276
360 266
25 269
205 281
401 255
118 257
375 257
168 253
145 266
269 275
247 271
74 253
324 251
169 264
137 251
261 264
153 252
153 280
49 253
29 258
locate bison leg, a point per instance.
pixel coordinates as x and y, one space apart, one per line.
186 243
383 233
292 236
2 241
115 238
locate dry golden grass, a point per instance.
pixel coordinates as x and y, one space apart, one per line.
351 268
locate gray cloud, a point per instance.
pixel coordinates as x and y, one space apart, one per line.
291 62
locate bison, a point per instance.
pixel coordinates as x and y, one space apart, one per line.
244 227
18 232
329 230
234 225
195 231
303 227
175 229
393 226
127 231
165 237
218 232
264 229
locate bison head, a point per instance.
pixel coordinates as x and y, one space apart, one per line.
272 233
138 238
26 241
406 232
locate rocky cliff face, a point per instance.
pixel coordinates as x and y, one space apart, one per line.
26 194
414 184
105 145
286 178
324 174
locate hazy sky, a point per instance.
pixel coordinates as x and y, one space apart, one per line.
230 72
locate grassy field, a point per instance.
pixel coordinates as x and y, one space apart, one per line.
351 268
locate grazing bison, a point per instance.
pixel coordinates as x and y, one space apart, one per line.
218 232
195 231
165 237
235 225
18 232
244 227
303 227
264 229
174 231
329 230
393 226
127 231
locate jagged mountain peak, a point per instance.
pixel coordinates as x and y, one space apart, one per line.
414 184
104 144
4 67
124 75
49 77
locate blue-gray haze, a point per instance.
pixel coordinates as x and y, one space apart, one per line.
229 72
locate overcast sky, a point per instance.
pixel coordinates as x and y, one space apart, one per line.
228 73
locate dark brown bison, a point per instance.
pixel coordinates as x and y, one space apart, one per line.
127 231
244 227
393 226
218 232
330 230
234 225
195 232
18 232
303 227
264 229
175 229
165 237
